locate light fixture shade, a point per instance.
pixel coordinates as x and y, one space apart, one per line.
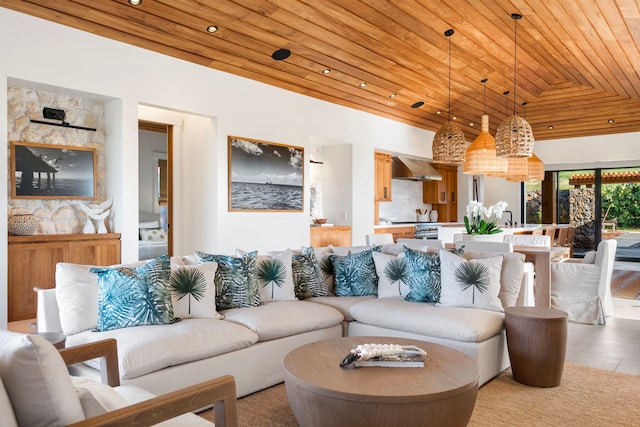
514 138
449 144
480 158
534 170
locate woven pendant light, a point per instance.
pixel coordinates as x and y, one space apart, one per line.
514 137
480 158
534 170
449 144
535 167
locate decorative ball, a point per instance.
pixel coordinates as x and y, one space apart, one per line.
22 225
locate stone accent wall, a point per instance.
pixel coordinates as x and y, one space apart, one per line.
57 215
582 215
533 203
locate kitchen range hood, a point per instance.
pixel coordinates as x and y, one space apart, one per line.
414 170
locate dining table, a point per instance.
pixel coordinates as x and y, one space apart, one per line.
541 257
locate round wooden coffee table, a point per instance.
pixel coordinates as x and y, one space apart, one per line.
321 393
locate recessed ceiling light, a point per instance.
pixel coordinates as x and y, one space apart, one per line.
438 112
471 124
393 95
135 2
363 84
418 104
212 29
610 121
281 54
454 118
326 71
550 127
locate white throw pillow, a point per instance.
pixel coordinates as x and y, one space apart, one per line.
77 297
97 398
193 290
482 293
511 276
153 234
275 276
37 381
393 278
589 258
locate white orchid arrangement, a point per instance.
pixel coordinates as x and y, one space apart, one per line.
474 221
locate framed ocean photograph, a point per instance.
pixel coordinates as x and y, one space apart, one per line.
45 171
265 176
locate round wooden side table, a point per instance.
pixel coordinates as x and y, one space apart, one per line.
537 343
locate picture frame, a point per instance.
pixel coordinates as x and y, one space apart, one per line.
265 176
53 171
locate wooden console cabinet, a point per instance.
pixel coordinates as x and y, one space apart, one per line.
32 263
339 235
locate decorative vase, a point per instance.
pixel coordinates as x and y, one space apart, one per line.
497 237
22 224
433 215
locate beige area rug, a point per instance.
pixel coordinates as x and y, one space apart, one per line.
586 397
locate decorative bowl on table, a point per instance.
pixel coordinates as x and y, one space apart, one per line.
319 220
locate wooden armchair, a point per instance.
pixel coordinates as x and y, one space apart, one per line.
27 394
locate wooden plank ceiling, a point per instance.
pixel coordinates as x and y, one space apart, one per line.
577 60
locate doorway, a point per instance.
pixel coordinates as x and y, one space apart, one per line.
155 183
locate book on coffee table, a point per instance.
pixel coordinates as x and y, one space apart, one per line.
395 361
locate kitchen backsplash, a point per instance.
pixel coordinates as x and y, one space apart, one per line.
406 197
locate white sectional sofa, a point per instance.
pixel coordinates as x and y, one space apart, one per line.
250 343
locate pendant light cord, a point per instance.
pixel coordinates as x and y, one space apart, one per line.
449 33
484 96
515 17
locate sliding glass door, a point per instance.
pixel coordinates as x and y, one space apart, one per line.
600 203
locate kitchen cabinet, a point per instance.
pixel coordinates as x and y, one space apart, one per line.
382 173
33 259
443 195
333 235
397 232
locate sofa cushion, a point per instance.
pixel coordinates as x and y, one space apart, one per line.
278 319
133 394
424 275
275 276
193 291
7 418
145 349
37 381
307 275
452 323
342 304
510 277
236 280
97 398
134 296
393 275
356 274
470 283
